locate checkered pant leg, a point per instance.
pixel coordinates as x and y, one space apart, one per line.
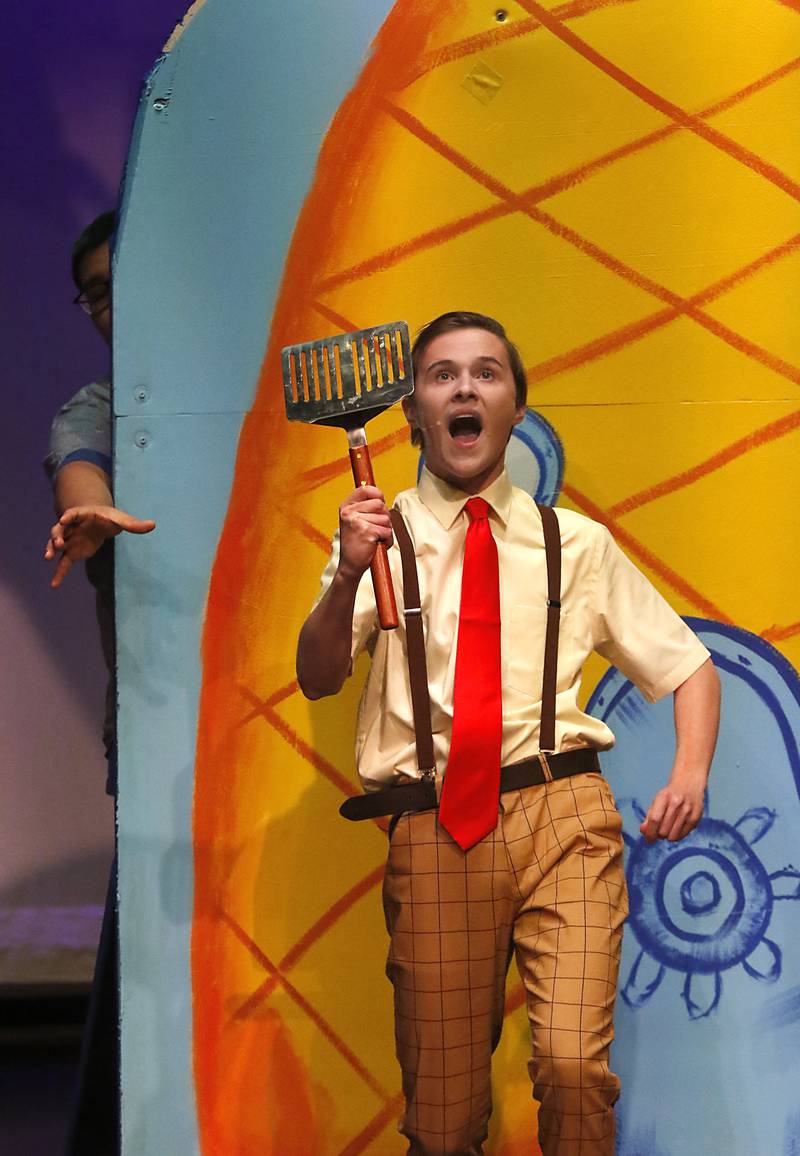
566 849
550 875
449 916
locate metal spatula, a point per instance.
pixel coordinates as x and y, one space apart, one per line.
345 381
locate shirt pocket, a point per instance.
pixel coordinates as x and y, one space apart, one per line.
523 648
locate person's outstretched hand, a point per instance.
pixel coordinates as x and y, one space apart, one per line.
81 531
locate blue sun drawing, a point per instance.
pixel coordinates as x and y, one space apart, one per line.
704 905
701 907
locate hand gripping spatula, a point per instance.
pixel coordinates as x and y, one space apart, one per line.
345 381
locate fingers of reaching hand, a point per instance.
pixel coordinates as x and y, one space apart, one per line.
119 520
139 525
81 530
107 520
63 567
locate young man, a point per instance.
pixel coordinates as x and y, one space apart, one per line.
527 858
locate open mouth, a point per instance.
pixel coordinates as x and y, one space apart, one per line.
465 429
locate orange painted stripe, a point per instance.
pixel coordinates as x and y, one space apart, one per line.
674 112
319 475
374 1128
719 288
332 915
626 335
640 551
312 534
607 260
342 324
504 32
600 347
515 1000
537 193
259 996
274 699
283 692
318 1020
262 709
427 240
477 43
683 306
751 441
572 177
780 633
307 941
303 748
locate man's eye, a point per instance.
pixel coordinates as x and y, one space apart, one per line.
443 375
486 374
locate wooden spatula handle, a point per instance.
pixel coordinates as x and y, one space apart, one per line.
381 574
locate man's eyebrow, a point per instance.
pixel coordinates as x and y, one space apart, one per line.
446 361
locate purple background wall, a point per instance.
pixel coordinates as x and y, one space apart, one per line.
68 88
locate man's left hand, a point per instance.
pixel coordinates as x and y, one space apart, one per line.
675 811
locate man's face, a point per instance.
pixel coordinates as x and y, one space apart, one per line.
464 402
95 275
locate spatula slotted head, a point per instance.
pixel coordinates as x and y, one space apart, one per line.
347 379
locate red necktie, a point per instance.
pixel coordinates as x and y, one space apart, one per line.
471 790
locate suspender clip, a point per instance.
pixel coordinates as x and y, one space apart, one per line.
428 775
554 602
548 774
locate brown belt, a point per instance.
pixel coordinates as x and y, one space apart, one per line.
421 795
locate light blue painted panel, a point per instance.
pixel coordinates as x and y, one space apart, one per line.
708 1023
177 469
222 155
227 138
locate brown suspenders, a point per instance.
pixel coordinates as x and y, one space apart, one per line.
552 550
417 667
415 645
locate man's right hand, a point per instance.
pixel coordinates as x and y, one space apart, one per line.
81 531
363 523
324 645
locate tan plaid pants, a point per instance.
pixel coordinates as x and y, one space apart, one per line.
547 884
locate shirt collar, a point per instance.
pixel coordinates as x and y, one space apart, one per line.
445 502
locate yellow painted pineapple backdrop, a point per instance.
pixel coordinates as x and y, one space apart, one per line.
618 182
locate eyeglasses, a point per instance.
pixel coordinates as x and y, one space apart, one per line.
94 298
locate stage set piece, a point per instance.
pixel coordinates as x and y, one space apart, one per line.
619 184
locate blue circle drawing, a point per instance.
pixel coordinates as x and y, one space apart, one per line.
702 904
700 893
534 458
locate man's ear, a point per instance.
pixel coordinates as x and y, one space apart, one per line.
520 414
410 411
